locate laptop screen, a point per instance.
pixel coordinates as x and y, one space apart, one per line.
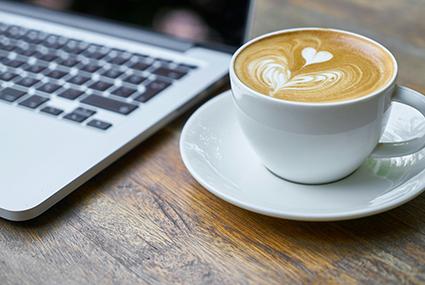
202 21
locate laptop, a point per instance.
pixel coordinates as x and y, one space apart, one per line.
83 82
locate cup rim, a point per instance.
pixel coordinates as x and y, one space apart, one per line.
388 85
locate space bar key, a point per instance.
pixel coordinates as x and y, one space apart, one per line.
109 104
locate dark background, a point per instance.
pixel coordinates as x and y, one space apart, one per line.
207 21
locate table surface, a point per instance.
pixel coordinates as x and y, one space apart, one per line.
145 220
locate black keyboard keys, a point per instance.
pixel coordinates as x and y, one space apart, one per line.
49 87
34 101
134 79
34 37
98 124
71 94
27 81
68 62
152 89
15 63
75 117
54 41
188 66
15 32
109 104
112 73
95 52
75 46
78 79
100 85
35 68
7 76
56 74
79 115
140 65
6 44
119 59
47 57
10 94
52 110
173 73
123 91
90 67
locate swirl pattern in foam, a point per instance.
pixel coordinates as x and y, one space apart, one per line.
314 66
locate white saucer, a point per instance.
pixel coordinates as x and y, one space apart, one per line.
217 155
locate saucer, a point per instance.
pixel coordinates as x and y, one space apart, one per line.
218 156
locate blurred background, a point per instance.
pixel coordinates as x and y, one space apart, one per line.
204 21
398 24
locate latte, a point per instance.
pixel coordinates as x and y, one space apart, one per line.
316 65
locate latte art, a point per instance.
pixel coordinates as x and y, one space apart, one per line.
273 71
314 66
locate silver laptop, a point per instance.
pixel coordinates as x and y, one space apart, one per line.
83 82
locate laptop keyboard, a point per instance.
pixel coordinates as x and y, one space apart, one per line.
38 65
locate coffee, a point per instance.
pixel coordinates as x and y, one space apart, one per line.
314 65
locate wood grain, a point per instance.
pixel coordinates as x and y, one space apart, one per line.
145 220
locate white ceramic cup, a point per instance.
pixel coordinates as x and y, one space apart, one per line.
317 143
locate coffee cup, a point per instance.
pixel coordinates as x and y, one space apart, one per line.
306 103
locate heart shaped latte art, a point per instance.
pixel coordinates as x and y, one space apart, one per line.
273 72
312 56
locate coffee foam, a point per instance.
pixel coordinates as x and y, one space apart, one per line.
314 66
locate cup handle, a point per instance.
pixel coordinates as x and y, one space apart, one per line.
416 100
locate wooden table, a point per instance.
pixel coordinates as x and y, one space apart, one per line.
146 220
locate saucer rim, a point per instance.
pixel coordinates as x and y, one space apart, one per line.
291 215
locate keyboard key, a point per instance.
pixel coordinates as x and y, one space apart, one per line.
54 41
35 68
134 79
140 65
75 46
75 117
7 76
57 74
34 37
140 56
91 67
69 62
71 94
15 63
109 104
6 44
34 101
15 32
79 115
152 89
52 110
123 91
49 87
49 57
10 94
188 66
27 81
119 59
99 124
78 79
3 27
28 52
112 73
173 73
100 85
95 52
85 112
163 61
